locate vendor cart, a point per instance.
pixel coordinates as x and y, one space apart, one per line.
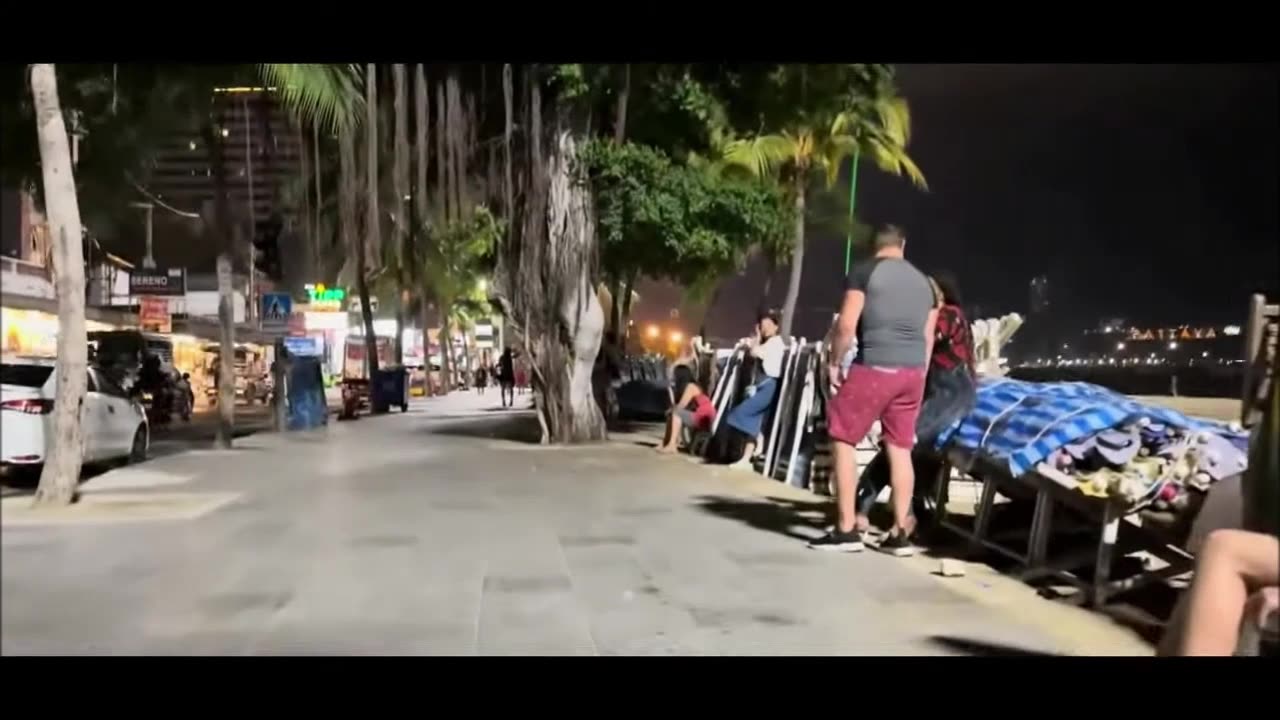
1006 444
355 374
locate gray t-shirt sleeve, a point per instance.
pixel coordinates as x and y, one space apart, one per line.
860 275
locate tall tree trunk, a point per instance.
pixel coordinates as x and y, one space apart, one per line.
424 311
60 477
508 187
574 414
304 211
373 240
615 306
442 156
545 269
628 290
769 272
421 120
797 259
401 171
352 238
371 251
220 223
446 344
458 130
318 242
620 117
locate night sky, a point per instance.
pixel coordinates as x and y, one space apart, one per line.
1142 191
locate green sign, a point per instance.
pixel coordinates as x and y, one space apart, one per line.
321 295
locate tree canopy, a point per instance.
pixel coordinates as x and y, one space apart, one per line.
664 219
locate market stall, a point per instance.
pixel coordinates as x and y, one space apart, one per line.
1129 467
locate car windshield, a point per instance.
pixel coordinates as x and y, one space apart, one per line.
32 376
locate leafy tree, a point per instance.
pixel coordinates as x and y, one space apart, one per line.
453 261
840 111
663 219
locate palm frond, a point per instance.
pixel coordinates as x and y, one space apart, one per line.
895 119
328 95
761 155
892 158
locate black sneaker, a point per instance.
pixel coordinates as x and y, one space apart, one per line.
836 541
898 545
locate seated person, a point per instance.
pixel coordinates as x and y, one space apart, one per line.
1236 572
747 416
950 392
1237 566
690 404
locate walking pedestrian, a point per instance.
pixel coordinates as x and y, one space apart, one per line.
889 306
507 377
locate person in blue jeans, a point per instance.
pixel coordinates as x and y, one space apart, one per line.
747 416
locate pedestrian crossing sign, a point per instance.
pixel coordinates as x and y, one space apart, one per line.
276 308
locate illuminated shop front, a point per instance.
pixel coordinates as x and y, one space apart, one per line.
34 333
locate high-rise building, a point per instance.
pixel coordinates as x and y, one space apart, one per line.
1036 338
261 150
1039 295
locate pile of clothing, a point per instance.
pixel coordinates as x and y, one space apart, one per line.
1105 444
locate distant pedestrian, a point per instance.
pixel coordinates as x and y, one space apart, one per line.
507 377
522 377
482 379
890 308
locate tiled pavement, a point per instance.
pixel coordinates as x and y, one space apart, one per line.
431 534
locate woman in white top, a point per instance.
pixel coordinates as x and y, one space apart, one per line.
747 416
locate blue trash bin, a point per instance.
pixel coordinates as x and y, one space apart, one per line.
389 387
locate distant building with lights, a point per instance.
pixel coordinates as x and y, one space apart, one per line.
1039 303
261 149
1036 338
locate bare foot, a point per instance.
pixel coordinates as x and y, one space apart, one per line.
664 450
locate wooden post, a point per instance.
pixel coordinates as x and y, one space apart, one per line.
1254 333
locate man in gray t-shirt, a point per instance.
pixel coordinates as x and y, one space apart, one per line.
891 307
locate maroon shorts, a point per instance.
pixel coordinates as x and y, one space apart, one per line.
890 395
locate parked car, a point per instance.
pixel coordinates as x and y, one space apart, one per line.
114 425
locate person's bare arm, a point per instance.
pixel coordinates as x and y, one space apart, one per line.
930 335
845 330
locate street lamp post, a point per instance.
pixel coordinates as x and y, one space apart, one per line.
148 260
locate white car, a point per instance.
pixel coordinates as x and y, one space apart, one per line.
114 426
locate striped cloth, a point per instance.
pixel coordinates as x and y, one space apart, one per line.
1022 423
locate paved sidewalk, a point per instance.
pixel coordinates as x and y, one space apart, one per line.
433 533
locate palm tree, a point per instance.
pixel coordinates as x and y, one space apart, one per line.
61 474
450 261
877 127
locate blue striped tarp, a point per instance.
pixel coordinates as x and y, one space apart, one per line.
1022 423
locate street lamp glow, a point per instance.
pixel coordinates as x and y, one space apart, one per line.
676 336
1119 346
1173 345
653 332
